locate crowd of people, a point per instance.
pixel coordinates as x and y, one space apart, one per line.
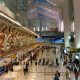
72 66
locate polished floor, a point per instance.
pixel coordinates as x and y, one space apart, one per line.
40 72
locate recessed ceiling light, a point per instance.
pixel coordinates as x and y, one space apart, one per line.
51 3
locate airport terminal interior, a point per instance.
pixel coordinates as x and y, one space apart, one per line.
39 39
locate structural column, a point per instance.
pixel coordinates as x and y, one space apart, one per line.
67 23
77 22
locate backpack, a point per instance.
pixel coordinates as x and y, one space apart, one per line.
56 78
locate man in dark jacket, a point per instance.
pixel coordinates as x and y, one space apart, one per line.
56 77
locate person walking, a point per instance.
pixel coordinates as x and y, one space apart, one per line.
24 67
56 77
76 72
27 65
58 73
57 63
31 57
67 74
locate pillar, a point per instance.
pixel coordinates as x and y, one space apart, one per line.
67 23
77 22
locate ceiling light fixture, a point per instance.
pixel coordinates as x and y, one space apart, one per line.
54 4
51 3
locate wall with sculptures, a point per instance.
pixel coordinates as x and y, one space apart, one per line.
14 38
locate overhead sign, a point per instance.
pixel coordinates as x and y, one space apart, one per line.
50 33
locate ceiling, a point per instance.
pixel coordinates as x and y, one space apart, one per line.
25 10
